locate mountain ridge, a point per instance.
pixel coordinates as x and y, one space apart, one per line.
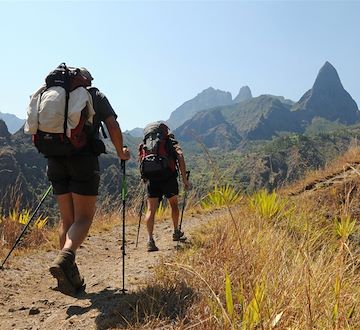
13 123
266 116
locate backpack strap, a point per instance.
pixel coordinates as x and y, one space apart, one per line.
103 131
66 112
67 90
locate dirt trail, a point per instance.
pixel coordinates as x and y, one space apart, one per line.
28 299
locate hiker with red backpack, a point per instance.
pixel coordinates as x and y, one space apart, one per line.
71 144
160 157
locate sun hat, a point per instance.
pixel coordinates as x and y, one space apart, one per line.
85 72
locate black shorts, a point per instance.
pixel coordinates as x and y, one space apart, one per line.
168 188
77 174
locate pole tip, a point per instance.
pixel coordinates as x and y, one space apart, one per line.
123 291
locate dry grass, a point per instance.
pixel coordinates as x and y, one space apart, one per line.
275 265
283 273
341 164
256 268
33 238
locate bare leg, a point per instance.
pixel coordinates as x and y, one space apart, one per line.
66 208
174 210
84 210
177 235
77 212
152 204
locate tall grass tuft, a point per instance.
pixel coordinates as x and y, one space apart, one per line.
267 205
220 196
252 314
344 227
161 210
12 225
229 298
24 216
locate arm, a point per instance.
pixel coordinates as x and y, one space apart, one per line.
116 137
181 164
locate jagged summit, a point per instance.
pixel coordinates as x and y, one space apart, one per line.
328 99
244 94
327 79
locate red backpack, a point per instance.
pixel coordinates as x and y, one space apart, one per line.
157 154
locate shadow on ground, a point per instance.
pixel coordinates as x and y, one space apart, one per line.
136 309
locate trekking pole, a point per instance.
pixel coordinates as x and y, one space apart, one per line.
184 201
26 227
123 197
140 214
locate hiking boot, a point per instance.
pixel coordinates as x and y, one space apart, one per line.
151 247
65 270
178 235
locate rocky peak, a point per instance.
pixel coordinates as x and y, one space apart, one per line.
4 132
211 94
327 79
328 99
244 94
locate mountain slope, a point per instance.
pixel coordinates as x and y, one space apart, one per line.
258 118
12 122
208 98
261 117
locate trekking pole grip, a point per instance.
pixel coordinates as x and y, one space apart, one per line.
122 161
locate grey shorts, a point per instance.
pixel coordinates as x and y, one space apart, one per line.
77 174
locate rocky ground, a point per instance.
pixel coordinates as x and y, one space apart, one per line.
28 296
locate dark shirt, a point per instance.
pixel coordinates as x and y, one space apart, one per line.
102 107
103 110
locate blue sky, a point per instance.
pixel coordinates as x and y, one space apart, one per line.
149 57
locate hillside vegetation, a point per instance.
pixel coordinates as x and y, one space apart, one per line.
285 260
272 164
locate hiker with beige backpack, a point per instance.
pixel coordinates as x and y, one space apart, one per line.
72 145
